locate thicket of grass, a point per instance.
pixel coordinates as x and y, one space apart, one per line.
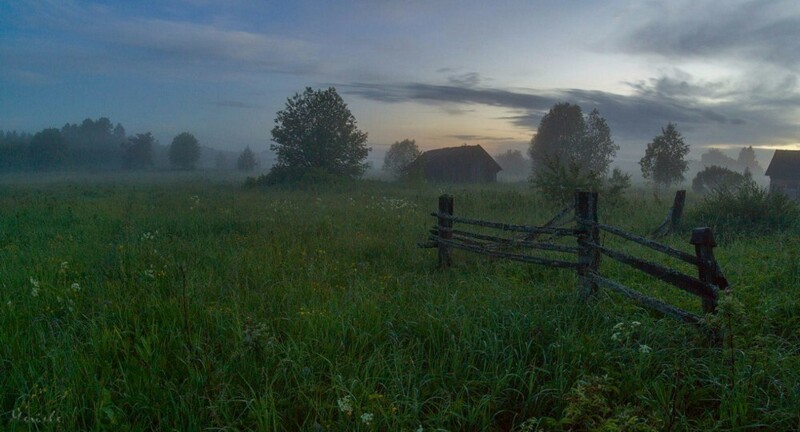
203 306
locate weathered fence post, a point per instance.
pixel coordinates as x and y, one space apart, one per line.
673 218
588 256
677 210
445 227
703 241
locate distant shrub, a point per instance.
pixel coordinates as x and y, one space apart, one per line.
714 177
746 209
294 176
558 181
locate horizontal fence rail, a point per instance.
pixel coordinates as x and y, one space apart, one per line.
587 251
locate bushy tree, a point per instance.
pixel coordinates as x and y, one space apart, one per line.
747 160
746 209
184 151
138 151
566 137
559 182
714 177
14 150
247 160
48 150
513 163
664 161
400 154
317 130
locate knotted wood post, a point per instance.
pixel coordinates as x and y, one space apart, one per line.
445 227
708 269
588 256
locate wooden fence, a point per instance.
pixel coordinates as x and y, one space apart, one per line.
584 254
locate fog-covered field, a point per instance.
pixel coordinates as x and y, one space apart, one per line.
181 303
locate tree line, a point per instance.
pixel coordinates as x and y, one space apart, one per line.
101 145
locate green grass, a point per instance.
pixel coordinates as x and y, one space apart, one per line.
200 305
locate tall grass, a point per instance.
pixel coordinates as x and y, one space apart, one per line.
205 306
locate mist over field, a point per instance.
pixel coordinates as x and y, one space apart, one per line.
399 216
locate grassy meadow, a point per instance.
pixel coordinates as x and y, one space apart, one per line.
194 304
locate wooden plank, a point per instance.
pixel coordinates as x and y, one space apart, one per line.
514 257
508 227
667 250
673 277
647 301
516 242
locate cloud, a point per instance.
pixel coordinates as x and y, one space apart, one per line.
480 138
97 39
708 113
755 30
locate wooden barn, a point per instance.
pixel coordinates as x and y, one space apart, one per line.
784 172
464 164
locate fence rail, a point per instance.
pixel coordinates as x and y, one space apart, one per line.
588 250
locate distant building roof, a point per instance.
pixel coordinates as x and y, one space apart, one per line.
456 164
456 155
784 164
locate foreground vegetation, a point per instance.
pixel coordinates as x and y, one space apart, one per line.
207 306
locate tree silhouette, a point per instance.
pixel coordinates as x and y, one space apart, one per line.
664 161
48 150
564 136
400 154
317 130
247 160
138 151
184 151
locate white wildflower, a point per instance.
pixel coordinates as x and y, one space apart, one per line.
420 429
346 404
367 418
34 288
75 287
64 266
616 336
635 323
644 349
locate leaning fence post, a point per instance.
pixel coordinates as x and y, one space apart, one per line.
588 256
703 241
445 227
677 210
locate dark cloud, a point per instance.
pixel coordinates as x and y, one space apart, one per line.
471 79
707 112
763 31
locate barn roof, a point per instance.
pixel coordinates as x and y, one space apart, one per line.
784 164
456 155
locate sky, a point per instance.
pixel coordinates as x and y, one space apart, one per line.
441 72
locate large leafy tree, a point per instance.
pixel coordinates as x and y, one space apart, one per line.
184 151
317 130
566 137
664 161
400 154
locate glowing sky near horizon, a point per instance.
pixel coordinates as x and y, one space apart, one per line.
441 72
